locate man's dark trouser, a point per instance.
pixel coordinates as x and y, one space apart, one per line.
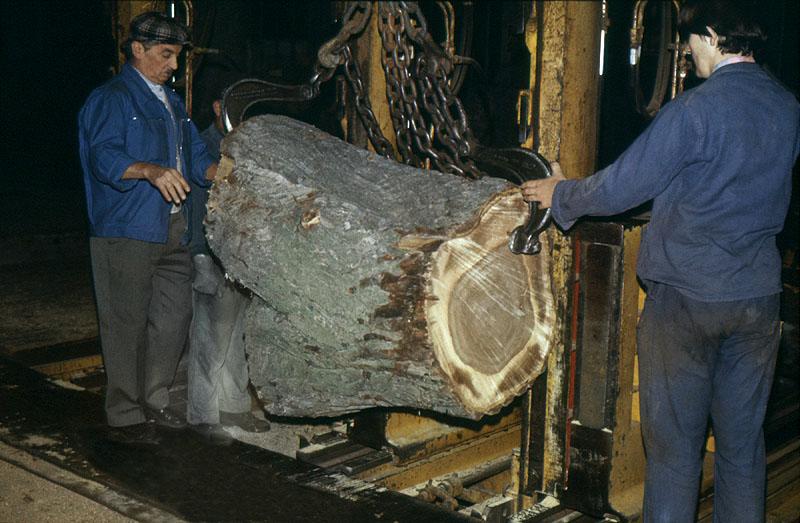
144 307
698 359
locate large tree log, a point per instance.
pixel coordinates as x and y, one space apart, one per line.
375 283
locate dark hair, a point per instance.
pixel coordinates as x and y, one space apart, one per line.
127 48
733 20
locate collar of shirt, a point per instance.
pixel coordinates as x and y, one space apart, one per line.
734 60
157 89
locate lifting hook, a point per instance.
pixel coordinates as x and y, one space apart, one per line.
518 165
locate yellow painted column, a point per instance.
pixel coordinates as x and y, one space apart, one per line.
567 82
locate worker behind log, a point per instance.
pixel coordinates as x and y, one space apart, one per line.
217 393
716 163
137 147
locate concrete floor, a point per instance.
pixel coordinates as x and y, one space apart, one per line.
27 497
33 490
45 291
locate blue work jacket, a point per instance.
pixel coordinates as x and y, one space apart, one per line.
124 122
717 164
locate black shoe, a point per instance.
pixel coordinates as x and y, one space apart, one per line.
139 434
212 433
244 420
165 418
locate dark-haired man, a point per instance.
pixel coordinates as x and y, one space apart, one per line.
137 147
716 163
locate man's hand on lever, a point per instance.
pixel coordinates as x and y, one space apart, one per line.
542 190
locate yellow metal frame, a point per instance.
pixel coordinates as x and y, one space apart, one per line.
449 457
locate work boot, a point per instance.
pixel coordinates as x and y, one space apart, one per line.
165 418
212 433
138 434
244 420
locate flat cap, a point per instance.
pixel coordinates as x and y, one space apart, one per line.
157 27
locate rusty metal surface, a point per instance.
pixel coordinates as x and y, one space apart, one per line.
414 437
458 458
627 468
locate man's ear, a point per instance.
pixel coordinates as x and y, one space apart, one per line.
137 48
713 40
217 105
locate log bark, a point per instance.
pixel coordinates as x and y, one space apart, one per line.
375 283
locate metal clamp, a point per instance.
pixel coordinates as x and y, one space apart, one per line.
519 165
242 95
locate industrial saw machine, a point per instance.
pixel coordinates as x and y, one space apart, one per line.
570 444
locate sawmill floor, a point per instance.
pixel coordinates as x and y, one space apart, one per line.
54 416
183 478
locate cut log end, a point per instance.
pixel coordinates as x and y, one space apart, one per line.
490 312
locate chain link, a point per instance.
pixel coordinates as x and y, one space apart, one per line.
402 25
401 92
363 106
331 54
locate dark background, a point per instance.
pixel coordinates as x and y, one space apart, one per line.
54 53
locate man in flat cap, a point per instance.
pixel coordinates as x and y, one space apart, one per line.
137 148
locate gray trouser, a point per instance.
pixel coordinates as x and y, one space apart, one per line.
144 303
217 366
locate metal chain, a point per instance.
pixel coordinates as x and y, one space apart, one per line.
363 106
401 91
331 54
451 143
444 137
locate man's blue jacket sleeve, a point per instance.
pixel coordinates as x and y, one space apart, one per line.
200 159
641 173
104 128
